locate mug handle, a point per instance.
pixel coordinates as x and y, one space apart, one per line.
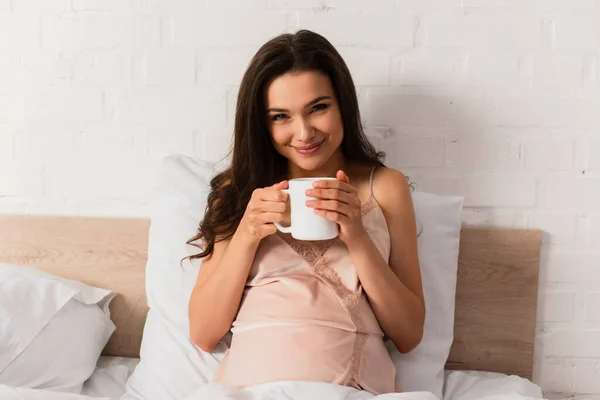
284 229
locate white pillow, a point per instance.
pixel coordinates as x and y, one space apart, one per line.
171 367
480 385
52 330
439 220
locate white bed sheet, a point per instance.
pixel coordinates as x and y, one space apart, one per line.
111 374
109 379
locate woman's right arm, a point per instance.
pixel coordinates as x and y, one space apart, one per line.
218 291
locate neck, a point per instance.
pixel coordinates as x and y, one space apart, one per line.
329 169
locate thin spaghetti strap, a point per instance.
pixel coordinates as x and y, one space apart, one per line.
371 181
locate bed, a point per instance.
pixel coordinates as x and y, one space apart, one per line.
496 294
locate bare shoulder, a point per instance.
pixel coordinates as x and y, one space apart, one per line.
392 190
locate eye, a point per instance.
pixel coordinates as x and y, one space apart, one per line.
319 107
278 117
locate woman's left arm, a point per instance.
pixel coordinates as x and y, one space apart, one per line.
394 290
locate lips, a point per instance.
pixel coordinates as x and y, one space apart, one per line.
313 148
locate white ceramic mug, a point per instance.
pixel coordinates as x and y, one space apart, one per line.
305 224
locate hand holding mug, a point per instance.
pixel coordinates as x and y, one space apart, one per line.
266 207
336 200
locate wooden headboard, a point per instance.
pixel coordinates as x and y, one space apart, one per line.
496 297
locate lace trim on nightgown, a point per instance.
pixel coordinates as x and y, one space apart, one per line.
313 253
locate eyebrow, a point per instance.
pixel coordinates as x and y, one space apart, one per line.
310 103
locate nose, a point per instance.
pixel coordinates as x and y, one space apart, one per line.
304 131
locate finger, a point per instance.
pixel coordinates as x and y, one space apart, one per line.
270 217
332 194
341 175
333 216
272 194
279 185
330 205
334 184
272 206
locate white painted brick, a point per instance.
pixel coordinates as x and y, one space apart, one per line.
483 29
489 152
170 68
21 180
576 31
564 267
571 193
224 28
44 146
587 379
555 307
161 143
163 8
232 95
428 68
18 32
55 106
583 230
558 72
367 68
487 190
314 4
418 152
493 70
589 78
37 7
102 69
540 111
561 5
493 217
592 307
42 69
101 5
497 190
340 28
593 155
489 3
397 109
548 153
566 343
595 230
427 5
556 227
238 4
212 146
178 109
556 375
227 66
361 5
94 31
107 180
122 145
7 147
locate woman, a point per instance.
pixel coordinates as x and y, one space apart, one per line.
303 310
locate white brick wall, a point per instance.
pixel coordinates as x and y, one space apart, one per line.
496 100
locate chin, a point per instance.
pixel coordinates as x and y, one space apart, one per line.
309 163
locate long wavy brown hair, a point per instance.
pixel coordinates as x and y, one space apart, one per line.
255 163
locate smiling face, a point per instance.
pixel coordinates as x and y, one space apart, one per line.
305 123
